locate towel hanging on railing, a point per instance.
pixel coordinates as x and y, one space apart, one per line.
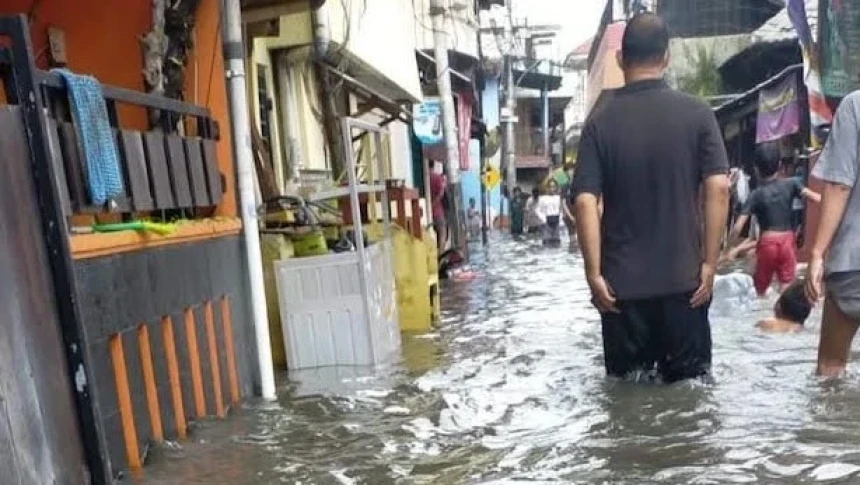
89 113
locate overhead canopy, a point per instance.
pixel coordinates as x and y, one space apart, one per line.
371 96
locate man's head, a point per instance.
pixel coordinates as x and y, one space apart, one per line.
552 187
518 191
645 45
767 159
472 202
793 304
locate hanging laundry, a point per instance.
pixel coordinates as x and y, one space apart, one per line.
90 117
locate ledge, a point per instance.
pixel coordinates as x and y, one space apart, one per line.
85 246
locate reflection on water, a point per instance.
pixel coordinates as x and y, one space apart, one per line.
510 389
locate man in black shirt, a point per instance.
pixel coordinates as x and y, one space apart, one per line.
656 157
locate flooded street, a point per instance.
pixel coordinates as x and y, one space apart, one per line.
511 389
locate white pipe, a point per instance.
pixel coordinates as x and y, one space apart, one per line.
231 21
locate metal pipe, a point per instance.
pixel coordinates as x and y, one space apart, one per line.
544 99
510 136
234 54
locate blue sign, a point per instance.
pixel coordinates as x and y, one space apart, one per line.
427 121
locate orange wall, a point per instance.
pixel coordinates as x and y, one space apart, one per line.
102 40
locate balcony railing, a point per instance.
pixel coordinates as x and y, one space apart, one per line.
170 171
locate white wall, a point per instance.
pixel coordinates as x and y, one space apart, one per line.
380 33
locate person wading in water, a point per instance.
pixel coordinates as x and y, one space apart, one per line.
656 157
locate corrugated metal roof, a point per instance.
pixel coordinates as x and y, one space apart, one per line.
779 27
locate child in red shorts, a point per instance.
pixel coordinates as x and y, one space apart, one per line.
771 203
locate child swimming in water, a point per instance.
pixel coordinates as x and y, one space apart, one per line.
790 311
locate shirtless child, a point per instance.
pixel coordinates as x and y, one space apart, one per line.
790 311
771 204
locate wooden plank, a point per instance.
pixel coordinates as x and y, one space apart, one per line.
149 383
214 363
56 154
194 362
131 151
159 177
213 174
173 375
178 170
129 431
72 159
232 373
194 155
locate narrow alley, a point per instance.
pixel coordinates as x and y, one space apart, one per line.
511 389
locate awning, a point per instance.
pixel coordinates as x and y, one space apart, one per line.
752 95
427 65
371 96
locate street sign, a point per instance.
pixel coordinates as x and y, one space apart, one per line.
491 178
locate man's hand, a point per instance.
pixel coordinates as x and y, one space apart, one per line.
814 279
602 296
706 286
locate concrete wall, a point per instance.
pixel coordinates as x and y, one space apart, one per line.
119 294
379 33
684 52
461 26
605 73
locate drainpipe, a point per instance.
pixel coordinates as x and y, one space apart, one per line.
234 61
331 120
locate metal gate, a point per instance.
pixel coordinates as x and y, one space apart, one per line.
46 410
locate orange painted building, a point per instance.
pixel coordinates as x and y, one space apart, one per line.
103 40
604 72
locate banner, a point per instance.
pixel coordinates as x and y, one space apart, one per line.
840 47
819 112
778 111
464 128
427 121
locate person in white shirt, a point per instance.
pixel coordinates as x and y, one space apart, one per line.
533 222
549 212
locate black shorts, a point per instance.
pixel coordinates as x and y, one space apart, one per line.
662 335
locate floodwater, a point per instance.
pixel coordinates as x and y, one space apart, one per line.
510 389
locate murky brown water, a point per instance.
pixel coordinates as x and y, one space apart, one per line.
511 389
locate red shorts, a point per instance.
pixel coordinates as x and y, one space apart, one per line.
775 255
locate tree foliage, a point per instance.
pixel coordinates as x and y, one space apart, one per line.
703 79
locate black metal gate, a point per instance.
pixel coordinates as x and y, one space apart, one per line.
48 426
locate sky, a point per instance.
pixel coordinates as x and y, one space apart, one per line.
578 18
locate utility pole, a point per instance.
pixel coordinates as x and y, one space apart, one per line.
482 162
237 94
449 124
510 154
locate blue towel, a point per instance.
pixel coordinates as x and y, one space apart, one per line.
89 112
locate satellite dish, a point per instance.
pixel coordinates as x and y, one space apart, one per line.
492 142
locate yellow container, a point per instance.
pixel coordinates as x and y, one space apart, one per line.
274 247
410 277
309 244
